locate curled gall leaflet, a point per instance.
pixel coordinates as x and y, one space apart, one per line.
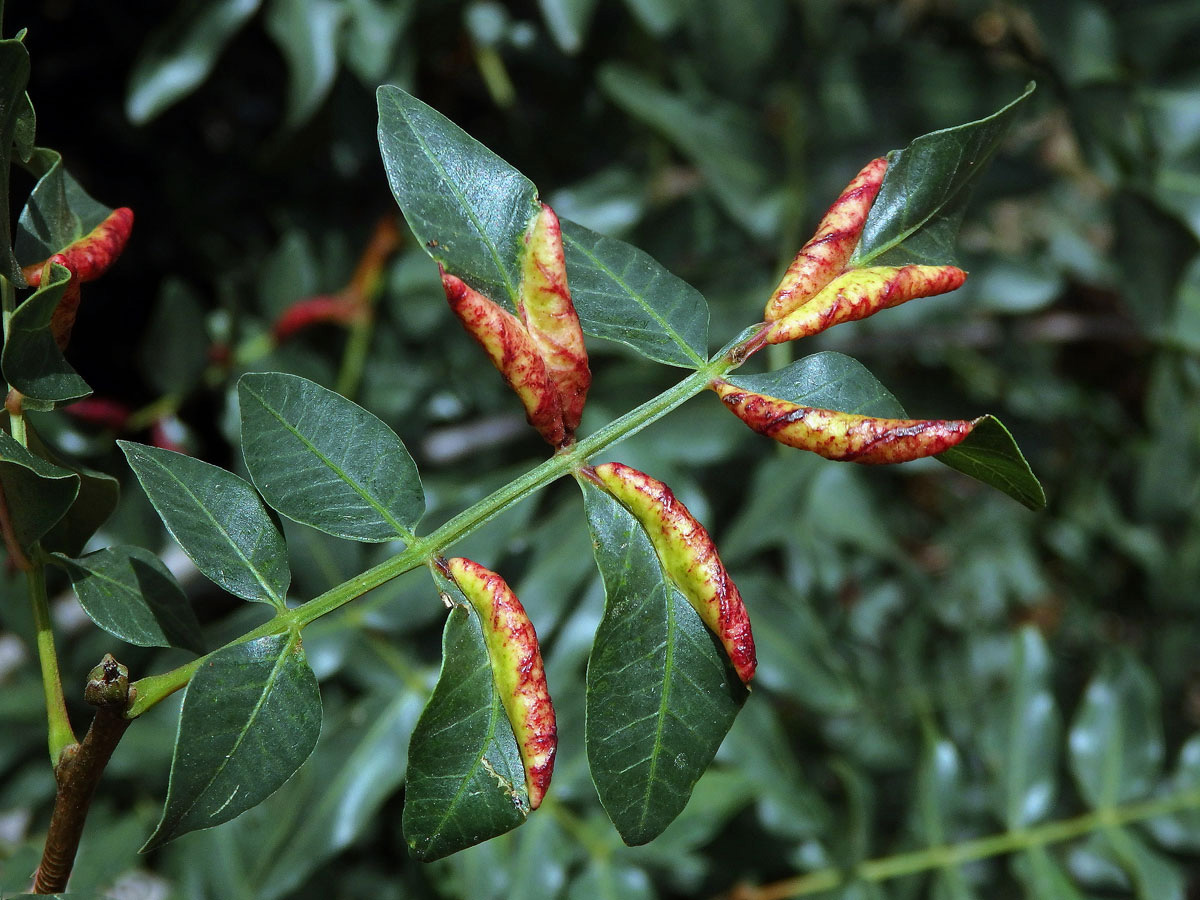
689 557
841 436
516 667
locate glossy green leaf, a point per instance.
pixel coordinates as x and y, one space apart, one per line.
567 21
32 362
218 519
831 380
661 693
1023 733
25 132
128 592
96 501
989 454
1153 876
355 770
1181 831
939 792
920 206
37 493
58 212
1043 877
1116 739
322 460
14 75
182 53
250 718
622 294
466 783
722 140
606 879
307 33
463 202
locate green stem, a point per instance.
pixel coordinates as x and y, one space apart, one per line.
152 689
495 76
60 733
354 356
947 855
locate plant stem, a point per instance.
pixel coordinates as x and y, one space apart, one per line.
946 855
154 688
78 772
61 735
354 356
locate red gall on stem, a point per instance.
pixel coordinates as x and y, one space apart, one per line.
825 256
841 436
689 557
860 293
312 310
99 411
352 304
516 667
545 305
89 257
512 351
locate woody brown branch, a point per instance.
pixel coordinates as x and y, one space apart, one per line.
78 771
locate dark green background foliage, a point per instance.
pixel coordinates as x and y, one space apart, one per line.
937 663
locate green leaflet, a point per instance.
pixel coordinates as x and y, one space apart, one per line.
830 380
623 294
38 493
129 593
920 206
324 461
250 718
661 693
218 519
462 201
58 212
465 781
32 362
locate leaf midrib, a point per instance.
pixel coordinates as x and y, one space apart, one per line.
436 162
268 685
674 335
276 600
401 530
